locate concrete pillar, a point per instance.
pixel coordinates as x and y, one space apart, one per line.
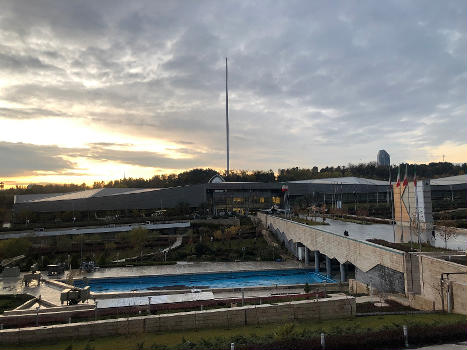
307 256
316 261
342 270
449 292
328 267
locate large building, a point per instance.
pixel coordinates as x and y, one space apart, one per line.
383 158
219 196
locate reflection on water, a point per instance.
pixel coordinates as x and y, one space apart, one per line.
395 234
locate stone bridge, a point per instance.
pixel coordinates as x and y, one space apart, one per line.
384 268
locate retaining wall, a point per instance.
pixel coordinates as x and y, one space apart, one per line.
329 308
430 273
382 278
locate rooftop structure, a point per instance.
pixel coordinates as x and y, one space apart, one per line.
221 196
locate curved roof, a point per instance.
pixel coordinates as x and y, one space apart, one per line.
216 179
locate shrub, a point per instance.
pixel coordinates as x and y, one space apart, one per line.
285 331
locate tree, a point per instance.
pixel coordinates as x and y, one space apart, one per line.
10 248
446 232
138 237
230 232
218 235
203 232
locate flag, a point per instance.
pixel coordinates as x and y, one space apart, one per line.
398 177
406 179
414 177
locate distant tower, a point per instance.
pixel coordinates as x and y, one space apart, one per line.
383 158
227 112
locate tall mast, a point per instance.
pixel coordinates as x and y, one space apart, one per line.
227 112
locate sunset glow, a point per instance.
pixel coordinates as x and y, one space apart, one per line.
89 93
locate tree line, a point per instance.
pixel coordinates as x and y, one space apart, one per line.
201 176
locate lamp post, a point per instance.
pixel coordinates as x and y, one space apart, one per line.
37 316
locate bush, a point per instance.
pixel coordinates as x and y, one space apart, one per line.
10 248
285 331
202 249
285 337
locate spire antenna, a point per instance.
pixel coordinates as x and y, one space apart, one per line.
227 113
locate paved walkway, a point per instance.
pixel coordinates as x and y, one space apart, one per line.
13 285
176 244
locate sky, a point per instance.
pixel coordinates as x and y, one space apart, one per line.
98 90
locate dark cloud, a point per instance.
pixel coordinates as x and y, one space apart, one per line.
24 159
311 82
27 159
27 113
109 144
20 63
143 158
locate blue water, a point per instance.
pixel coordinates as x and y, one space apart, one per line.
207 280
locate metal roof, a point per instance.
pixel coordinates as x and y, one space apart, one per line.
450 180
100 192
350 180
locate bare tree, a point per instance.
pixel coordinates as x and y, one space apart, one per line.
446 233
440 288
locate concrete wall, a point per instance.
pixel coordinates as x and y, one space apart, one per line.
329 308
356 287
382 279
430 273
364 255
459 292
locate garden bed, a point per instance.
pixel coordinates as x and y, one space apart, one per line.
392 306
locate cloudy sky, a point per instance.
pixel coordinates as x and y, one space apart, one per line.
93 90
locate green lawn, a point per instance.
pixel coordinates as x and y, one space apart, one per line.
352 325
406 246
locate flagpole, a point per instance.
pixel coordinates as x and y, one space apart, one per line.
408 199
400 203
418 210
391 196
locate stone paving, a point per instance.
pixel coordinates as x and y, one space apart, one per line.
190 267
13 285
